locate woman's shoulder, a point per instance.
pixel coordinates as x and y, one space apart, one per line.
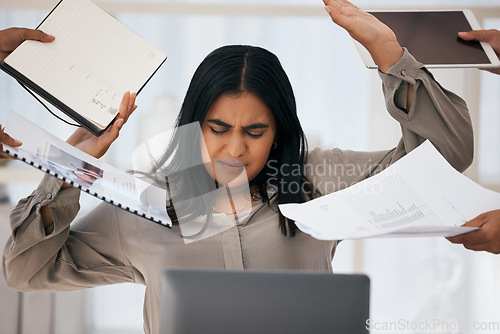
336 169
322 157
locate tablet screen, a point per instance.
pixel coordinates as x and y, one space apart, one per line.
432 37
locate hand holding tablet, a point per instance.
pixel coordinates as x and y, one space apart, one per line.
432 38
491 36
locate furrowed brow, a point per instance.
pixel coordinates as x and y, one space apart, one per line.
256 126
219 122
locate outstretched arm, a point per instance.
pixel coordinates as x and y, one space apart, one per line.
424 109
43 253
375 36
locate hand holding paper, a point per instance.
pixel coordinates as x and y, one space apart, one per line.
48 153
485 239
8 140
419 195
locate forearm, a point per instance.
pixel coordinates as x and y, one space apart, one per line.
47 218
63 259
386 56
433 113
30 251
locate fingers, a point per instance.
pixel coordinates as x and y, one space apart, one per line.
6 139
337 13
485 239
37 35
4 155
486 244
476 35
472 238
127 106
131 104
458 239
112 132
479 247
348 3
479 221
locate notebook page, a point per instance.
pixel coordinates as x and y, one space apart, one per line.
94 60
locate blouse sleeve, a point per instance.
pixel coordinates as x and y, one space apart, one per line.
60 258
435 114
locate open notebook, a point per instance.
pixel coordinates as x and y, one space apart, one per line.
94 60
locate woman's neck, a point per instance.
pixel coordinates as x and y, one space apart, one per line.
235 200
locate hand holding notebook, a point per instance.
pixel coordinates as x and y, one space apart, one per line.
97 146
11 38
93 61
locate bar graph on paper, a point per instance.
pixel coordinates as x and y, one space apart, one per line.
395 204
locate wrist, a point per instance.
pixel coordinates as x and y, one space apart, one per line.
387 55
66 185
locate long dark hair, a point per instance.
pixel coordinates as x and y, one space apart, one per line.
233 70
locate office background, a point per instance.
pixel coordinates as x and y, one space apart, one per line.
340 105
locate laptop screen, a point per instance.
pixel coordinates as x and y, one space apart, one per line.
209 301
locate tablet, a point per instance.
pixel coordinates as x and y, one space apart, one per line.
432 38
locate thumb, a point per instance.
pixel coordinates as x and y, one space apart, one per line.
107 138
37 35
6 139
113 132
475 35
478 221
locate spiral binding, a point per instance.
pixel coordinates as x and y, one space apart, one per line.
48 171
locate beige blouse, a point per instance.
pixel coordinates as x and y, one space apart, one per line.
110 245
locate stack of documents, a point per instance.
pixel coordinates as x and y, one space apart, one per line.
419 195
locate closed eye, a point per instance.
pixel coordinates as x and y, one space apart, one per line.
218 132
255 135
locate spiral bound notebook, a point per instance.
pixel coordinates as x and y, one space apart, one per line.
86 70
50 154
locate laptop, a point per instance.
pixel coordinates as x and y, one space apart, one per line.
264 302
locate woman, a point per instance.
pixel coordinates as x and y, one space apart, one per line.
243 101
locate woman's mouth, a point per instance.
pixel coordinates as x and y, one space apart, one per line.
231 165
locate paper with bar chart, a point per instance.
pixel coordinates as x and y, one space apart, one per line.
419 195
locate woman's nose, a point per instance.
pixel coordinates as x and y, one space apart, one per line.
236 146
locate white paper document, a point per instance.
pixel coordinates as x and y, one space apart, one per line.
58 158
419 195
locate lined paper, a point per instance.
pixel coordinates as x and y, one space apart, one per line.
94 60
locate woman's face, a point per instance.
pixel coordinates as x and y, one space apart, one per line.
239 132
